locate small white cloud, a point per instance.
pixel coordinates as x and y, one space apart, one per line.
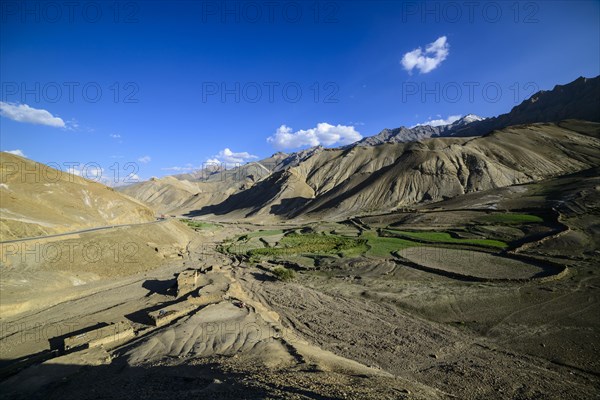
17 152
93 173
428 60
24 113
324 134
186 168
439 122
145 159
226 156
98 174
115 136
73 171
177 169
72 125
131 178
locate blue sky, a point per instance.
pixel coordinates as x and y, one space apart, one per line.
171 85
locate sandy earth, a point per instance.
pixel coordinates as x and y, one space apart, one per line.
471 263
219 343
366 332
450 359
38 273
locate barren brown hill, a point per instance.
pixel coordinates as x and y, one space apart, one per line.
342 182
40 200
180 193
168 193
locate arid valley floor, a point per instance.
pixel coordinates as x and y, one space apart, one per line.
382 306
299 200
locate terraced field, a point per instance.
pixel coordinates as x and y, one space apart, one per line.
511 218
474 265
445 237
450 252
313 243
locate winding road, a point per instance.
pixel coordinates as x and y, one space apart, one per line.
99 228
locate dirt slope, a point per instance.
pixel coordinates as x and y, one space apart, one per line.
38 200
178 194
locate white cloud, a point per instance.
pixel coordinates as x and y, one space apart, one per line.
439 122
16 152
24 113
131 178
187 168
323 134
72 125
145 159
428 60
98 174
177 169
227 156
115 136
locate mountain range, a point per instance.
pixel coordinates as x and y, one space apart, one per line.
552 133
399 167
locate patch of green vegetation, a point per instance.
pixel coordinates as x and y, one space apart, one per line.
284 274
445 237
362 248
383 246
325 245
244 243
510 218
312 243
199 224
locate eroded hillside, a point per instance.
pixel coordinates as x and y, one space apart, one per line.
39 200
341 182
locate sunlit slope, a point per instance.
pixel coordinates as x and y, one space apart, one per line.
179 194
38 200
381 178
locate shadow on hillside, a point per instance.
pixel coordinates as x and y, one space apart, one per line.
263 277
141 316
249 200
120 381
289 207
165 288
57 342
251 203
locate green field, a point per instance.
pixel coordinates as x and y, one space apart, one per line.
313 243
510 218
383 246
445 237
294 244
199 224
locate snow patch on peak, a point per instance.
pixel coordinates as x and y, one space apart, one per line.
471 118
